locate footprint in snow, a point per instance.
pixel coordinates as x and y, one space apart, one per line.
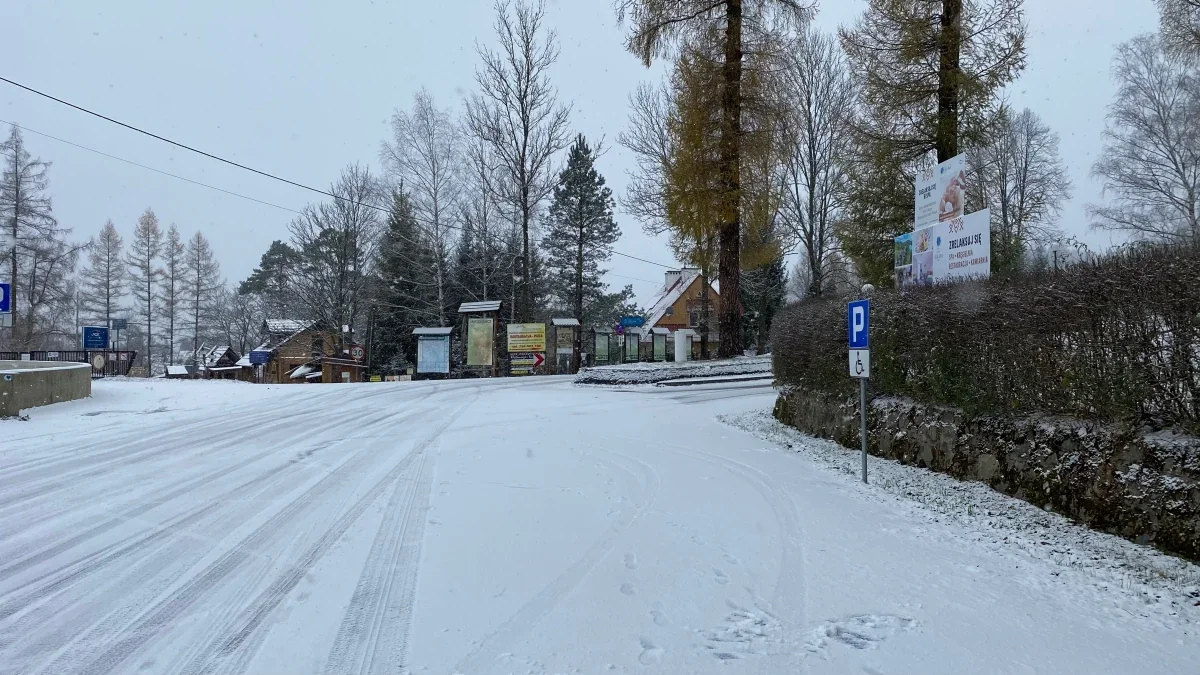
730 559
864 631
631 561
660 619
720 577
628 589
651 654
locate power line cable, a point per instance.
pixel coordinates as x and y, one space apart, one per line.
148 168
239 165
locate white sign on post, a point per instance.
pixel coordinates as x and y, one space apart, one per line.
860 363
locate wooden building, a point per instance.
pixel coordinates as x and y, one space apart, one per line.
679 306
292 344
218 363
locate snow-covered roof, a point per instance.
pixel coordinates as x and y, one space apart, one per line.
658 330
565 322
212 356
482 306
679 282
286 325
244 362
177 370
432 331
222 369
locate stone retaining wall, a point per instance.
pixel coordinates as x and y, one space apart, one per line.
1141 484
28 384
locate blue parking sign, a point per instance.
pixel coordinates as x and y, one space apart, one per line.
5 298
858 323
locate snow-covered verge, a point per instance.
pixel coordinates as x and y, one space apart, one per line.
1160 585
650 373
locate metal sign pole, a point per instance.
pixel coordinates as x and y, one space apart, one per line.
862 422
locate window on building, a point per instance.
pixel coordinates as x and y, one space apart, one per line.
670 311
693 319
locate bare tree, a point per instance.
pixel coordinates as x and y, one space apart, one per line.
39 259
1150 163
482 271
144 276
171 288
238 318
1021 177
1179 24
202 285
516 111
105 276
816 134
336 243
648 137
424 156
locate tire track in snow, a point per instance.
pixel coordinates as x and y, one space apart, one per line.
167 447
382 603
168 610
172 540
790 584
547 599
118 620
174 490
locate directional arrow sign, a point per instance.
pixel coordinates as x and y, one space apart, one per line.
538 359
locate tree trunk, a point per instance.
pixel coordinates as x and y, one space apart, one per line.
12 279
526 287
578 347
729 240
704 317
949 79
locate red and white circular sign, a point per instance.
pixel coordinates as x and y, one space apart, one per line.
358 353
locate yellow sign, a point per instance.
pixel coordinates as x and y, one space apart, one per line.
526 337
377 378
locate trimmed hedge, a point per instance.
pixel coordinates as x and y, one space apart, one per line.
1116 339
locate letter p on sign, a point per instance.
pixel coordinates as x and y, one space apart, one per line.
858 323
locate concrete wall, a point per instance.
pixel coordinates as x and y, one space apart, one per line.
1139 483
28 384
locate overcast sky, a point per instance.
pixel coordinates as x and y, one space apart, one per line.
302 88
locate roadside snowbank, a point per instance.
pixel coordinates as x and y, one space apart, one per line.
1161 586
650 373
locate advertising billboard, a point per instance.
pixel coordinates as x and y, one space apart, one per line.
940 192
526 337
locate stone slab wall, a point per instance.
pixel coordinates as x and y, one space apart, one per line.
1142 484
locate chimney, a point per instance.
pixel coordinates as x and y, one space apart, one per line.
672 278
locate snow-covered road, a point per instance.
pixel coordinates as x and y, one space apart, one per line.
510 526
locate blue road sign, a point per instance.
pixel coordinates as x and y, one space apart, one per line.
95 337
632 322
858 323
119 324
259 357
5 298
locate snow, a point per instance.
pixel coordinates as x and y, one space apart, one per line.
480 306
651 372
531 526
286 325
